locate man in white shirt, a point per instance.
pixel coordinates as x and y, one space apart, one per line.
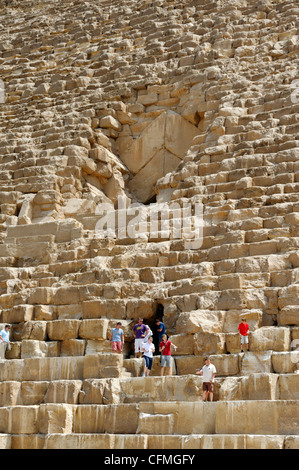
208 373
4 340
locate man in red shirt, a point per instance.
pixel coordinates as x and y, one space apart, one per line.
243 330
165 350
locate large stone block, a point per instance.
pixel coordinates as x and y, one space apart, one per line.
209 343
205 321
55 418
63 329
270 338
270 417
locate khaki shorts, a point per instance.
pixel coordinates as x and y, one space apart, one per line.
244 339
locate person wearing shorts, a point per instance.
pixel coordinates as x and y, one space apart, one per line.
165 350
243 330
117 338
139 332
208 373
148 349
4 341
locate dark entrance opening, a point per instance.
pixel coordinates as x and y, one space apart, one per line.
159 314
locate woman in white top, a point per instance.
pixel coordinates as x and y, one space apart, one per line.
148 349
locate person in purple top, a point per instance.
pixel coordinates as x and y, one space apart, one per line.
139 333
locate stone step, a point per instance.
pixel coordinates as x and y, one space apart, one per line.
176 418
148 441
62 368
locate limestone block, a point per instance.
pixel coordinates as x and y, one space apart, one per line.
112 308
72 347
256 362
101 365
184 412
63 329
270 417
18 314
259 387
19 420
93 391
184 343
270 338
204 321
29 441
162 163
72 311
164 442
289 315
285 362
55 418
94 329
209 343
35 348
288 296
63 391
44 313
155 424
109 122
9 393
35 330
33 393
288 386
80 441
53 368
41 295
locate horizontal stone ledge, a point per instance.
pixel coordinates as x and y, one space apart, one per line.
57 368
270 417
147 441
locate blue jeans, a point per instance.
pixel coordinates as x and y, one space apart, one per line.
148 362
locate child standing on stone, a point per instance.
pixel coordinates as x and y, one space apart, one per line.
243 330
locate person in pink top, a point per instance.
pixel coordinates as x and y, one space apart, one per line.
243 330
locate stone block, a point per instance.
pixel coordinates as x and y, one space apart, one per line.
72 347
55 418
94 329
205 321
63 391
9 393
285 362
63 329
289 315
270 417
209 343
270 338
184 343
256 363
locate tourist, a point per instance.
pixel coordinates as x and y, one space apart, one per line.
4 338
161 330
148 349
117 338
139 333
208 373
243 330
165 350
